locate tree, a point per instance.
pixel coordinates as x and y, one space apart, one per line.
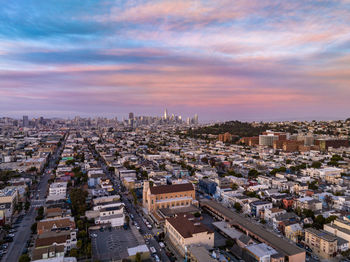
253 173
41 211
138 257
80 224
319 222
33 228
133 192
316 164
237 206
40 215
70 162
73 252
308 213
27 205
197 214
205 160
328 199
313 185
251 194
33 169
78 198
79 244
234 186
24 258
330 219
336 158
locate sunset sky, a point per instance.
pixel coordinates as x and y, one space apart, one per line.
225 60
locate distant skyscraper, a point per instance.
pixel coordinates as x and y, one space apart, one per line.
25 121
195 119
131 115
166 114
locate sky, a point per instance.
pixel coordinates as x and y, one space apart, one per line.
224 59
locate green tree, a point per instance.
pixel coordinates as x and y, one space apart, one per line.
78 198
80 224
33 228
70 162
138 257
319 222
24 258
308 213
316 164
27 205
253 173
330 219
237 206
234 186
313 185
73 252
33 169
79 244
197 214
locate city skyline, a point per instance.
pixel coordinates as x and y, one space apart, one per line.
263 60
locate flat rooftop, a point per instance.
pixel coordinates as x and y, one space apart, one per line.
276 242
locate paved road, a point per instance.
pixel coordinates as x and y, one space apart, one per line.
131 208
145 231
23 232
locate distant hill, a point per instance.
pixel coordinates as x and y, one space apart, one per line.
241 129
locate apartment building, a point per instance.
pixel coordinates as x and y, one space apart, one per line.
339 228
273 212
58 188
308 203
112 215
8 199
321 242
184 231
258 206
55 224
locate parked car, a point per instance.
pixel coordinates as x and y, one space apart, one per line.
153 250
161 244
156 258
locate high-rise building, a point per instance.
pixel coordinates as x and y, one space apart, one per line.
195 119
166 114
131 115
25 121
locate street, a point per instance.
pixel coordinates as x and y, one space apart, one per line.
137 217
24 227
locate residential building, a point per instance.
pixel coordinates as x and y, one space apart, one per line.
258 206
321 242
58 188
8 199
184 231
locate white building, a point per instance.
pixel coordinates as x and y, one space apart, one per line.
58 188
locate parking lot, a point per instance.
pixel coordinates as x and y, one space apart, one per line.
113 243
